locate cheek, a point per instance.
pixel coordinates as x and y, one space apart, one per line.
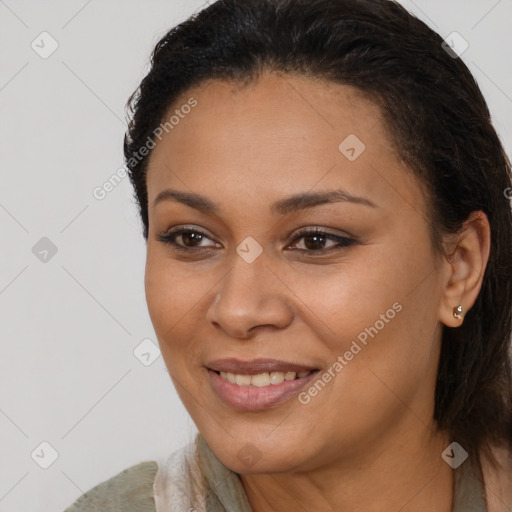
177 296
386 302
164 303
171 297
350 297
388 308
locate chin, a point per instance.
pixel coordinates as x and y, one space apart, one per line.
250 458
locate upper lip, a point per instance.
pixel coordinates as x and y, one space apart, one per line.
255 366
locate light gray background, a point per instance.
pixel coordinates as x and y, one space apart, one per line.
69 326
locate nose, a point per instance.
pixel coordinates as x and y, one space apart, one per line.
251 296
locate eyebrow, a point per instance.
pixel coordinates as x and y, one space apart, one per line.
296 202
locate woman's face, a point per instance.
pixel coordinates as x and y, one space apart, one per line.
246 290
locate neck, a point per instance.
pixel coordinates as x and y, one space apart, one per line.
406 475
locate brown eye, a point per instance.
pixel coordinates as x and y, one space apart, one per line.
190 239
315 240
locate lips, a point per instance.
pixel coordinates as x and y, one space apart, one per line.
250 398
228 378
256 366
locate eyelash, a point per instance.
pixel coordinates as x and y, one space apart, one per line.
342 242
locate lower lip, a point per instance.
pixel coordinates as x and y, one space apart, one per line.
252 398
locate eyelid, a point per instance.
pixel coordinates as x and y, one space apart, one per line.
296 232
183 227
321 230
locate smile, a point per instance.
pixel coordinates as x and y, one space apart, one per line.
257 385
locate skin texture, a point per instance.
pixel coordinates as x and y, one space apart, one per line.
371 427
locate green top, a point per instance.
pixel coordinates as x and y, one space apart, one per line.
217 489
129 491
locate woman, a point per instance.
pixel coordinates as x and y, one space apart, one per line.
328 264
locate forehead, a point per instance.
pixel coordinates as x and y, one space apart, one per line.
278 134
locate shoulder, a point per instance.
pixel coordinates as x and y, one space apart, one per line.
129 490
498 480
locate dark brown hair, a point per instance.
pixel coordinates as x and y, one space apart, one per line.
439 123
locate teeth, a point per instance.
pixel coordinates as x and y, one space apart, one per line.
262 379
276 377
243 380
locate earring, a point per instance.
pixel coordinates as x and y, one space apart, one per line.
457 312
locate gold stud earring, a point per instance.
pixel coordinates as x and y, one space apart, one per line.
457 312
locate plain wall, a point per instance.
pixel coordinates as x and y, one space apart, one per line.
69 325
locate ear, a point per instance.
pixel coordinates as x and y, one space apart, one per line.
466 257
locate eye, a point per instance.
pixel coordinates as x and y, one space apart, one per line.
188 239
191 238
314 240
